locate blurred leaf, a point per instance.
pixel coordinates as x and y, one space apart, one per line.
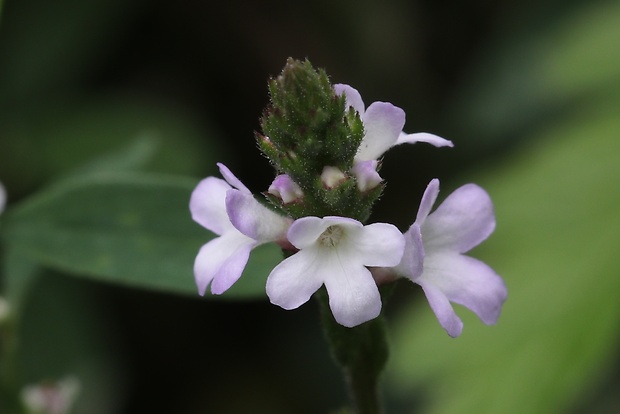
133 156
134 230
556 247
534 75
556 242
55 137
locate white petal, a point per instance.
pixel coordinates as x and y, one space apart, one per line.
461 222
353 97
428 200
291 283
432 139
232 179
466 281
378 244
413 257
305 231
366 175
353 294
254 219
208 205
383 122
443 309
221 262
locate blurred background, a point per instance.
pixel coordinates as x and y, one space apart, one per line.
529 93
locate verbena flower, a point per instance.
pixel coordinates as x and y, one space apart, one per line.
2 198
216 204
383 126
434 257
334 251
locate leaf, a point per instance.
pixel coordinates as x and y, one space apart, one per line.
130 229
555 245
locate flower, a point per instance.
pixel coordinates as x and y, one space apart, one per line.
286 189
51 397
2 198
434 257
334 251
383 124
228 209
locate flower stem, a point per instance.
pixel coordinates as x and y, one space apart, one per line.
361 352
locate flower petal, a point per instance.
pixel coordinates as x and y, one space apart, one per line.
291 283
305 231
443 309
432 139
253 219
366 175
207 205
232 179
378 244
286 189
461 222
383 122
466 281
428 200
412 262
353 97
353 294
221 262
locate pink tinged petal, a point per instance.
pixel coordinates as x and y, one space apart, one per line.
232 179
443 309
412 262
432 139
383 122
253 219
468 282
461 222
291 283
366 175
378 244
221 262
353 294
353 97
207 205
285 188
428 200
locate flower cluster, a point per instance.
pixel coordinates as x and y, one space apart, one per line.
326 147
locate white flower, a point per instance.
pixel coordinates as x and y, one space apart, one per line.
228 208
335 251
51 397
434 256
383 126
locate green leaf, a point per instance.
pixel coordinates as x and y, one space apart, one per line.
130 229
556 244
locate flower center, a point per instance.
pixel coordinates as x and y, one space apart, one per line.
331 236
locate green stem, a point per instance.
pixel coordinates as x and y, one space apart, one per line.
361 352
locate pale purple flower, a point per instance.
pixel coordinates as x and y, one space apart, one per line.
434 257
286 189
2 198
228 209
335 251
383 125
